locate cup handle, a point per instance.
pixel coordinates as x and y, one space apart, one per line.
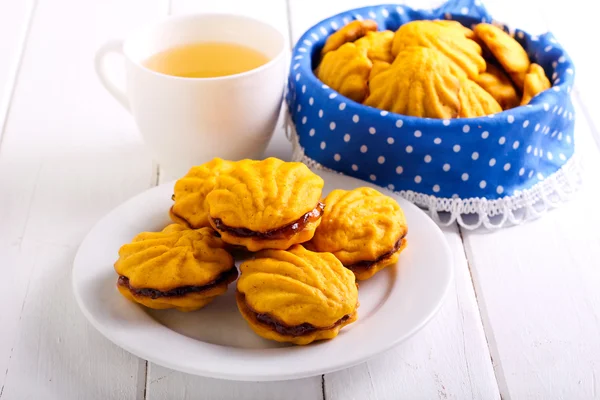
113 46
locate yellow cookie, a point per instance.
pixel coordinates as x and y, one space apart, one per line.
363 228
378 45
535 82
189 208
509 53
378 66
476 102
348 33
463 54
419 83
495 82
346 71
296 296
267 204
455 25
176 268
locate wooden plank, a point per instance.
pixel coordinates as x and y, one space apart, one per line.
166 384
69 154
449 358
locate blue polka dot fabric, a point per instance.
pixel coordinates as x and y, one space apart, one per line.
489 157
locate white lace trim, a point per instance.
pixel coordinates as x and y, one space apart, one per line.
475 212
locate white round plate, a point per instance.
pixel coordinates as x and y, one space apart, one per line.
216 342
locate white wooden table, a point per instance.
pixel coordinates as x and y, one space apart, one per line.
523 318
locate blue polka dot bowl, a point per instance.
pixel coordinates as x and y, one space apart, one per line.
493 157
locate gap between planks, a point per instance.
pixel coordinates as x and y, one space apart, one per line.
576 96
141 391
490 340
575 92
14 71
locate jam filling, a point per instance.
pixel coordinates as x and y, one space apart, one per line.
278 233
286 330
227 276
370 263
297 330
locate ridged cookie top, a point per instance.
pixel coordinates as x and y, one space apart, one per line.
298 286
419 83
457 26
476 102
359 225
172 258
264 195
378 45
191 190
463 54
378 67
346 70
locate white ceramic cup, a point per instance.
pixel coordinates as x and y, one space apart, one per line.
188 121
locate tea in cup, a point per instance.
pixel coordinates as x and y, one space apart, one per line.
201 86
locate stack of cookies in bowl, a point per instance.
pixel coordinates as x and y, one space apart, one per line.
430 68
301 252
